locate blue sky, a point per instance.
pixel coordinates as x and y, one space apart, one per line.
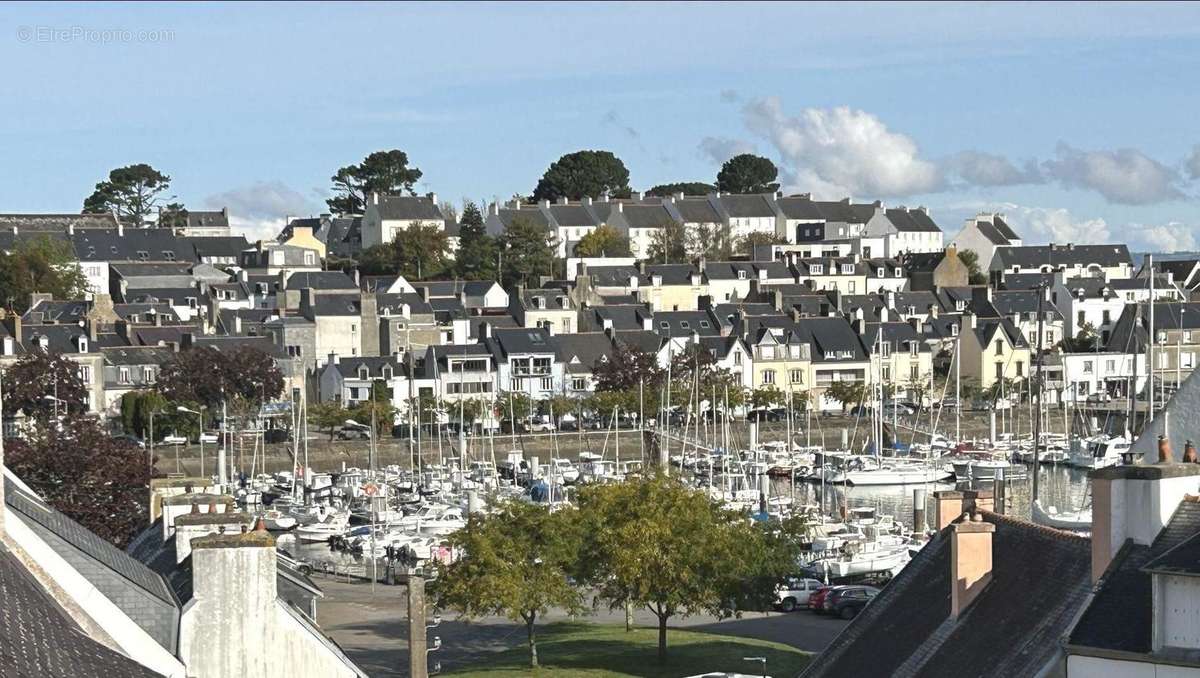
1078 120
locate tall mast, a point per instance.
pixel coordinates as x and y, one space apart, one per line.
1037 394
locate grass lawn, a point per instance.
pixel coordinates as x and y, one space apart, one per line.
608 651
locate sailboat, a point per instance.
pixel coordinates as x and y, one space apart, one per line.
1072 521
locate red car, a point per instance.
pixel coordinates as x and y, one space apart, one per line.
816 601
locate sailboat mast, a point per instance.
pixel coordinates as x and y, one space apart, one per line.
1037 394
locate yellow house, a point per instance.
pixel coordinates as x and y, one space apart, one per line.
672 287
781 359
991 349
302 236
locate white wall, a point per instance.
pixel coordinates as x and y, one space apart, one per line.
1096 667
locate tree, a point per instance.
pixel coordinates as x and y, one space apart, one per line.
131 192
527 252
711 241
640 547
1085 340
846 392
99 481
329 416
420 251
173 216
208 377
378 260
40 264
136 408
627 369
767 396
584 174
668 244
605 241
747 243
689 188
476 258
384 172
515 562
970 259
31 384
748 173
378 408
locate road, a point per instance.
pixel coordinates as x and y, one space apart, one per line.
373 628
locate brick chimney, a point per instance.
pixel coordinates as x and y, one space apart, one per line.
970 561
948 506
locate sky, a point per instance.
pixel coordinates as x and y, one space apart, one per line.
1079 121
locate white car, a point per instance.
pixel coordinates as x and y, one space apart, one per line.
540 425
210 438
174 439
793 592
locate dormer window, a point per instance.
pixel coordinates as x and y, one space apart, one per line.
816 269
899 273
168 255
82 344
960 304
143 255
954 330
847 269
363 372
741 275
387 372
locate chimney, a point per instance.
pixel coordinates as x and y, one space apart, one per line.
333 359
970 561
374 198
546 203
635 195
948 506
969 317
233 578
175 506
194 525
120 229
620 207
485 330
586 200
433 199
425 294
1134 502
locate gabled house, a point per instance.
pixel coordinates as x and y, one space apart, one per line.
671 287
983 234
903 230
730 280
903 359
580 354
843 274
527 361
1111 262
387 215
350 380
341 236
928 271
464 371
549 308
992 349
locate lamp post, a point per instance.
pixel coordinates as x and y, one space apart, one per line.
56 400
199 413
761 660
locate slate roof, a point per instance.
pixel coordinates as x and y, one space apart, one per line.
348 367
612 276
38 639
586 347
553 300
920 301
56 222
158 244
1034 256
800 208
623 316
1040 579
828 335
993 234
1120 614
729 270
58 311
320 280
404 207
922 261
898 334
986 328
640 340
336 304
134 270
1028 281
684 323
914 220
218 246
534 215
841 210
697 211
750 205
137 355
522 340
672 274
177 296
573 216
1003 229
646 216
389 304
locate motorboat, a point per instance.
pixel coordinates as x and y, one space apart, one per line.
277 520
1099 451
334 525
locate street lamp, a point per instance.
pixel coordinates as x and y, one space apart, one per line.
762 660
199 413
56 400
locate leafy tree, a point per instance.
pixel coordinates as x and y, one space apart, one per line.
329 416
605 241
767 396
378 408
689 188
477 255
1086 340
173 216
711 241
527 252
420 251
131 192
378 260
627 369
136 408
99 481
668 244
748 173
384 172
747 243
36 377
515 562
209 377
513 405
846 392
641 547
40 264
584 174
970 259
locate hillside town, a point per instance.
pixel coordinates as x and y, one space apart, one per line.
870 362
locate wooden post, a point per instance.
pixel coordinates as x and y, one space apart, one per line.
418 664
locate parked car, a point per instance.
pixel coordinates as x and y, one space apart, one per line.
132 439
950 403
793 592
540 424
209 438
816 600
847 601
353 433
767 414
1098 398
174 439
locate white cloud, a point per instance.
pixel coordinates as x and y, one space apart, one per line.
839 151
1039 225
1125 175
1193 163
986 169
1173 237
261 209
720 149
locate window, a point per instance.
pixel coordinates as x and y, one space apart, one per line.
191 302
1162 359
999 347
1020 369
148 375
1033 336
1049 338
768 376
704 324
355 393
960 304
1110 366
1080 318
1087 367
1187 336
1107 317
954 330
850 287
816 269
1186 360
353 328
741 275
547 383
914 348
85 373
124 375
914 372
885 372
886 348
797 376
848 269
766 352
295 352
683 324
737 358
579 383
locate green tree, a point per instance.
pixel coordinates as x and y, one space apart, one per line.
527 252
329 416
378 260
640 548
515 562
970 259
1086 340
747 243
99 481
584 174
605 241
173 216
748 173
420 251
131 192
688 188
846 392
767 396
33 382
136 408
40 264
711 241
383 172
668 244
209 377
476 258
